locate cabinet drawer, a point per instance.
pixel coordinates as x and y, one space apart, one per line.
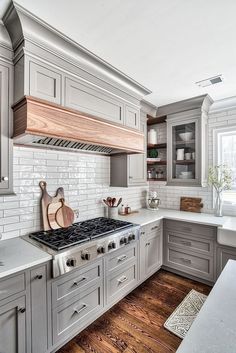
121 257
86 99
191 228
193 264
75 313
44 83
12 285
71 284
121 282
201 245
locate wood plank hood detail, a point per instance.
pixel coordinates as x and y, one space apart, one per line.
35 118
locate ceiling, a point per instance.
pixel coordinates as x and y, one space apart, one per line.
165 45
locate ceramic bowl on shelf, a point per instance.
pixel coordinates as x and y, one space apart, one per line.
186 136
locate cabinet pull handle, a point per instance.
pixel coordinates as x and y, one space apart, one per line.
188 243
77 283
122 279
185 260
130 177
22 310
5 178
155 227
122 258
147 244
142 233
78 311
38 276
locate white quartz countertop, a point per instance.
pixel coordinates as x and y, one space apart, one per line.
213 331
17 254
145 216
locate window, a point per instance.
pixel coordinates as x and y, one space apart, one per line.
226 154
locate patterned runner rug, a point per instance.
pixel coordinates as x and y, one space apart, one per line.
182 318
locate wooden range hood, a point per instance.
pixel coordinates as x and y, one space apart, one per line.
37 121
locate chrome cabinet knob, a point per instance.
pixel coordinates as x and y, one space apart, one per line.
5 178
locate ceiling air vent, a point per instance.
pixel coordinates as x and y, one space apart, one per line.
210 81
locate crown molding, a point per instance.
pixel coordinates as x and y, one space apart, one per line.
223 104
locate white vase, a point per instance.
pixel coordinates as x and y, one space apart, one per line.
218 204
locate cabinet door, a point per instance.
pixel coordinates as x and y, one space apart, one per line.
223 254
38 309
137 166
5 126
132 117
89 100
45 83
153 253
12 327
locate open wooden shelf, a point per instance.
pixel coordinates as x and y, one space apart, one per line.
156 162
185 162
157 179
158 145
152 120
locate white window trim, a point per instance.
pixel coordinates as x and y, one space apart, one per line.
228 209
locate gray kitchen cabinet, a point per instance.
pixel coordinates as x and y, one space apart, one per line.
13 326
150 249
6 145
187 141
44 82
189 248
83 97
132 117
130 170
223 254
39 309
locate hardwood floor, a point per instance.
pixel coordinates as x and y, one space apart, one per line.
135 324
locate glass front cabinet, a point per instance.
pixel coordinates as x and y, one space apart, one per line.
187 148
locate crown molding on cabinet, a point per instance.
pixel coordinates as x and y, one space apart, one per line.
223 104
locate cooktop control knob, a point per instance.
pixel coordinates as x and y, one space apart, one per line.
71 262
126 240
112 245
122 240
101 250
131 237
85 256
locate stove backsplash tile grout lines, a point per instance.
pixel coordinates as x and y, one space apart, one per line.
85 179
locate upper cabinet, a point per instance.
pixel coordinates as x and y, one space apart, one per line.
6 96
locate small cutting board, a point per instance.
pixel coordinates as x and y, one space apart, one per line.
64 215
191 204
52 209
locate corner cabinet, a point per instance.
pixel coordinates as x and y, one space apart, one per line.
130 170
187 147
6 145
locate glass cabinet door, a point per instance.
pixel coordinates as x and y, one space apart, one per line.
184 152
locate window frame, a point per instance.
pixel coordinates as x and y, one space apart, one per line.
228 208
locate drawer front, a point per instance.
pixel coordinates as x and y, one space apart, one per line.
70 285
76 313
223 254
121 257
203 246
12 285
191 228
121 282
195 265
44 83
81 97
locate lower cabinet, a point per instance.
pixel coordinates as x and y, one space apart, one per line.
150 249
13 326
190 249
223 254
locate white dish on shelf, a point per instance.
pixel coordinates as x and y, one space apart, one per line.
187 173
190 176
153 159
186 136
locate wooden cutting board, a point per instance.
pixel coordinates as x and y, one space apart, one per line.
191 204
46 199
52 210
64 215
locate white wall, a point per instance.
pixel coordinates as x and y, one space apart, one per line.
170 195
84 177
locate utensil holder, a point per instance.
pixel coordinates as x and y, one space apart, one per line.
112 212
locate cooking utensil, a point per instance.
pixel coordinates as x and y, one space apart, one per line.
105 201
52 209
64 215
113 201
118 203
109 201
46 199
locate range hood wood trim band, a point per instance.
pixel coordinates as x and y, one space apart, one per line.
35 117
